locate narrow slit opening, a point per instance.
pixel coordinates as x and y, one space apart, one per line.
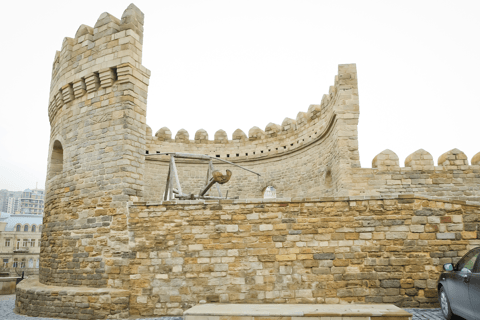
114 73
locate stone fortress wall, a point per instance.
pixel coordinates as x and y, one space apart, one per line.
316 154
112 249
324 250
300 158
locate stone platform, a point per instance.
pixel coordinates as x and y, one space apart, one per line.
296 312
38 300
7 285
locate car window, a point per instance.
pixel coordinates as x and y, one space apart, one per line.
467 263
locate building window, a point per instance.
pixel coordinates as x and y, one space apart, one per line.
18 243
30 263
34 228
18 228
37 262
15 263
32 244
270 193
5 263
25 228
7 242
25 242
22 264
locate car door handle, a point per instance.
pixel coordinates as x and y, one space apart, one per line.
466 278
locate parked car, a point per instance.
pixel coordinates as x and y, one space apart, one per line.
459 287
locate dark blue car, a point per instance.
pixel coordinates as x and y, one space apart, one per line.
459 287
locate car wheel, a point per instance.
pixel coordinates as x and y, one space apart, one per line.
445 305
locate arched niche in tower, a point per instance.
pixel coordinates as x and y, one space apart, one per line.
56 160
269 192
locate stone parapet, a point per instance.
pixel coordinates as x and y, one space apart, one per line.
457 182
38 300
324 250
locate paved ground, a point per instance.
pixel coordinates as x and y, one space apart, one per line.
7 303
431 314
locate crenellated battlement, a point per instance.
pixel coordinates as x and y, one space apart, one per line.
97 58
422 160
308 127
452 177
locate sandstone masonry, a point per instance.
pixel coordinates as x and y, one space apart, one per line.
336 233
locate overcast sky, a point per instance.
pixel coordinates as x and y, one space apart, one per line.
238 64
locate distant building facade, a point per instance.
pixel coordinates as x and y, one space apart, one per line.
25 202
20 242
5 196
13 205
32 201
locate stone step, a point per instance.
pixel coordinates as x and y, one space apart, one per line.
296 312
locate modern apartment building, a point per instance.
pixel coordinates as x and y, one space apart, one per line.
32 201
13 205
5 195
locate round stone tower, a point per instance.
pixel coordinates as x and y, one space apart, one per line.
97 112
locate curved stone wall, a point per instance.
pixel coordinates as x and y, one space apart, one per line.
294 173
97 114
295 157
38 300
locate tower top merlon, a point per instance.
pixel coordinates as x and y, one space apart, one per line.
111 42
133 18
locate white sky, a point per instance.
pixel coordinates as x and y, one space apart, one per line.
238 64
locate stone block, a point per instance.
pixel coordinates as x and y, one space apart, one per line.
446 236
324 256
